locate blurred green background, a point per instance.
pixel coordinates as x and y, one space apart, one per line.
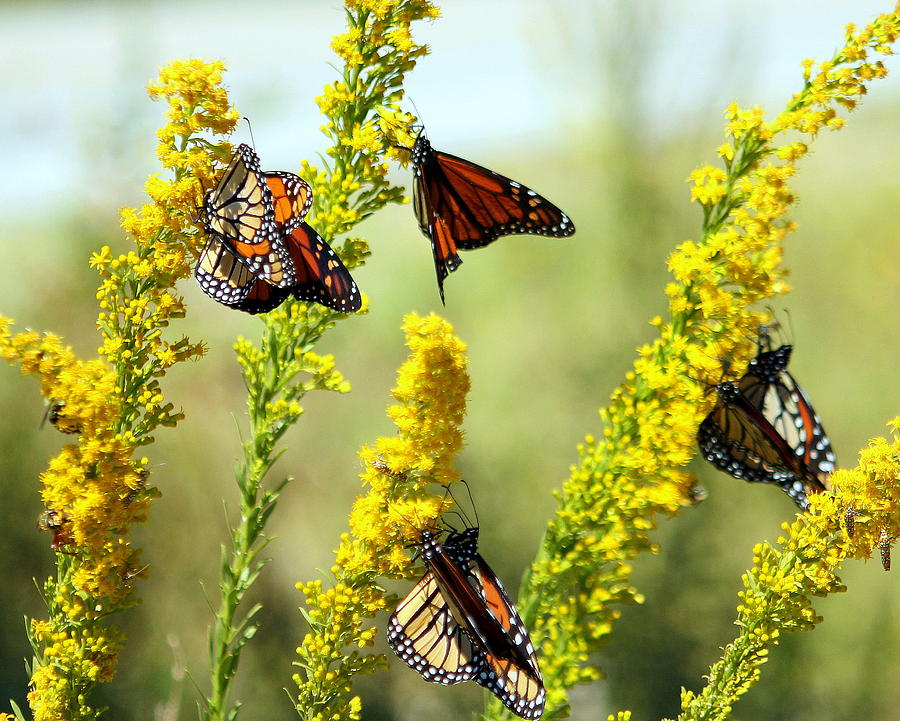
605 107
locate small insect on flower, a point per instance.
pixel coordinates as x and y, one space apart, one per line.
850 516
379 465
764 429
57 417
260 249
463 206
458 624
695 495
884 545
57 524
140 487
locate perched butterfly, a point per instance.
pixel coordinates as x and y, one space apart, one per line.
764 429
256 271
321 277
462 206
248 211
458 624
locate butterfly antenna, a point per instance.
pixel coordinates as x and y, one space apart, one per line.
197 215
459 512
790 323
471 502
250 128
459 515
708 385
421 123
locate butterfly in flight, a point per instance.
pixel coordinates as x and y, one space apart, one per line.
458 624
261 250
764 429
461 206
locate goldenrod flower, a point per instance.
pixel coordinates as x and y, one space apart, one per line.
97 487
635 470
431 403
803 564
377 51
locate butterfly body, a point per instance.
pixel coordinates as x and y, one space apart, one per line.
764 429
458 624
460 205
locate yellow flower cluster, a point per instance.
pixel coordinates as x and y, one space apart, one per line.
431 403
96 488
841 81
378 51
635 471
805 563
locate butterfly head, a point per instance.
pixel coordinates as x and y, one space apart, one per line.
248 155
430 544
462 546
421 150
768 364
728 391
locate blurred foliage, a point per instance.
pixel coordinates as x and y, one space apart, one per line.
536 385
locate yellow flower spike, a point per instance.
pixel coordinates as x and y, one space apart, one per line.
88 482
377 51
431 394
616 489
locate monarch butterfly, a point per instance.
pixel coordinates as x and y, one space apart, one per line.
248 211
320 277
764 429
257 272
462 206
458 624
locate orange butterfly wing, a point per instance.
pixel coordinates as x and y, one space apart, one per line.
321 276
462 206
291 199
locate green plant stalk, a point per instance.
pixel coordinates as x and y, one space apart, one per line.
570 607
240 565
352 187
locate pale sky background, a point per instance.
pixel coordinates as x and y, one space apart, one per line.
76 114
